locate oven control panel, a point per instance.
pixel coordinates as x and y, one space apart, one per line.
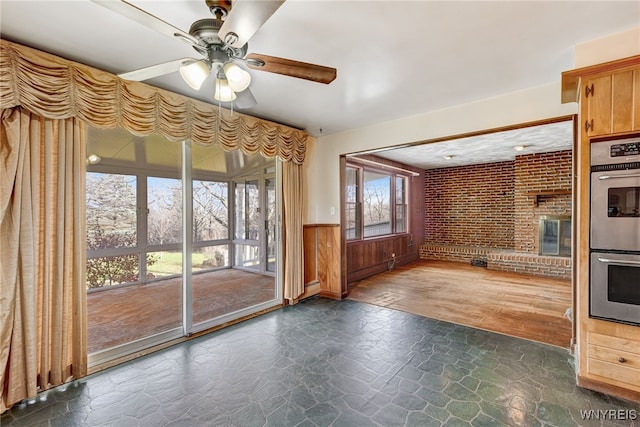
628 149
615 152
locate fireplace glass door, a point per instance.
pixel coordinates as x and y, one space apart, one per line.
555 236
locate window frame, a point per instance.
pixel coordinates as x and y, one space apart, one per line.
359 211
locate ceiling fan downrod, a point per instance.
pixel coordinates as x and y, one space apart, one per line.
219 8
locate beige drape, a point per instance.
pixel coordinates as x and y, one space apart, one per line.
57 88
292 243
42 254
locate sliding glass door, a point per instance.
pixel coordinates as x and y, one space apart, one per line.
164 257
134 243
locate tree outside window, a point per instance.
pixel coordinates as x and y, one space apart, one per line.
376 202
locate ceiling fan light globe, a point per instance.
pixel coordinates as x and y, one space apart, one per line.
223 92
195 73
238 78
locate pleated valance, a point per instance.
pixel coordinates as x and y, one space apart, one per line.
57 88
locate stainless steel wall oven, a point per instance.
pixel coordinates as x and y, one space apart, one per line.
614 282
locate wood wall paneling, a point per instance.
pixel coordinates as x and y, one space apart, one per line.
329 261
366 257
322 260
310 244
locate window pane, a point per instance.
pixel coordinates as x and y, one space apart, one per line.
352 185
351 226
270 196
241 203
247 210
113 270
111 211
248 256
210 210
164 203
401 204
401 218
210 257
376 203
352 217
253 210
164 263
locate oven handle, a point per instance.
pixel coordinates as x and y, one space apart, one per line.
631 175
618 261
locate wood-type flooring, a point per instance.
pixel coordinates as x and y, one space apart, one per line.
508 303
120 315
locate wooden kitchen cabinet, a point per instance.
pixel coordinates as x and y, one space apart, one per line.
607 353
613 358
610 103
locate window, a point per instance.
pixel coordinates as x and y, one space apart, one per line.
352 207
401 204
112 236
376 202
210 225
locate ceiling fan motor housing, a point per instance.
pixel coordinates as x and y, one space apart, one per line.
206 30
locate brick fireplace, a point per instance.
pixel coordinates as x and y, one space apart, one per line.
492 212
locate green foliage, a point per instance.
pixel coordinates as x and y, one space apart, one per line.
113 270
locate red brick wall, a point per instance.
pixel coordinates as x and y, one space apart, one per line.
470 205
488 205
539 172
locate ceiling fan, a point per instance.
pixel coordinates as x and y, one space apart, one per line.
222 43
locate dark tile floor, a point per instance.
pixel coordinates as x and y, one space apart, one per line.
328 363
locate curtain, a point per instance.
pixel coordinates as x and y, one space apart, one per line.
57 88
42 254
292 243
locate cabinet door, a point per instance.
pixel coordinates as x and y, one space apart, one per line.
596 96
611 103
622 98
636 99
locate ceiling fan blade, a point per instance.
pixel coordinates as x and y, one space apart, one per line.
133 12
288 67
244 100
155 70
245 18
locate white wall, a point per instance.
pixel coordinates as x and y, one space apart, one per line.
323 174
609 48
537 103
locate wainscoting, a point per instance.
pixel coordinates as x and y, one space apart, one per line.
373 256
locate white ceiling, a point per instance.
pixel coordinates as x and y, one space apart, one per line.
394 58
